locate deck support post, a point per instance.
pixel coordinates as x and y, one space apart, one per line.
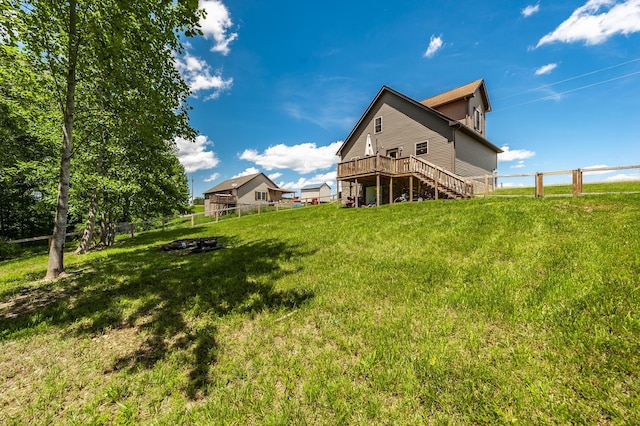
357 192
436 182
391 190
378 189
411 188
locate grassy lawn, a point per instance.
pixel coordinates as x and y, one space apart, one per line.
587 188
493 311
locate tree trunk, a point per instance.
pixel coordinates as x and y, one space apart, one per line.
103 230
112 234
56 251
91 222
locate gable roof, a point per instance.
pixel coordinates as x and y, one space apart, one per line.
450 122
237 182
463 92
315 186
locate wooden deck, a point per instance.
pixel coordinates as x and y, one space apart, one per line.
372 169
222 199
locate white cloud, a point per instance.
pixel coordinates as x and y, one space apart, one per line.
546 69
213 177
246 172
514 154
216 25
624 177
519 165
200 77
302 158
618 177
530 10
328 178
194 156
274 176
435 44
596 22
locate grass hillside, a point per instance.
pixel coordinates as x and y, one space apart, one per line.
485 311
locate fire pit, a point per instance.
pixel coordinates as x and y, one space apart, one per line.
194 245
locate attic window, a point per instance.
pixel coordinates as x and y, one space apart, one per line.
377 125
422 148
477 119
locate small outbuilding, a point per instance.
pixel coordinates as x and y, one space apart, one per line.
320 192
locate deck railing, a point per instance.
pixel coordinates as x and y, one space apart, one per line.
441 178
222 199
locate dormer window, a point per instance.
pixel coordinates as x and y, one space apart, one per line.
377 125
477 119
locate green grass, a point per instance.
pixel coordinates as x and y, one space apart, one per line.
465 312
587 188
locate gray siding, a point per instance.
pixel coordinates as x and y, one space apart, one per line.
473 158
403 126
456 110
476 102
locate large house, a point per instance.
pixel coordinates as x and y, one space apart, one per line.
244 190
424 148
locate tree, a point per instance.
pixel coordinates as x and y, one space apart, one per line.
118 51
26 147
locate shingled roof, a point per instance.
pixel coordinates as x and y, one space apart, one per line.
234 183
458 93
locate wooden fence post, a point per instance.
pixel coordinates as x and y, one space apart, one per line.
217 214
193 220
580 180
486 186
133 229
163 224
539 185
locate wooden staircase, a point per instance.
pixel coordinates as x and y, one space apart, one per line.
443 182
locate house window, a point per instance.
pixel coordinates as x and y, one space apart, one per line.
422 148
261 196
477 119
377 125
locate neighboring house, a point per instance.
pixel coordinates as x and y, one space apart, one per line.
321 192
427 148
243 190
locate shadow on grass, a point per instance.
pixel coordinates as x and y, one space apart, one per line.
172 300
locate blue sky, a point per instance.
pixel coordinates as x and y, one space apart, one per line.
278 85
